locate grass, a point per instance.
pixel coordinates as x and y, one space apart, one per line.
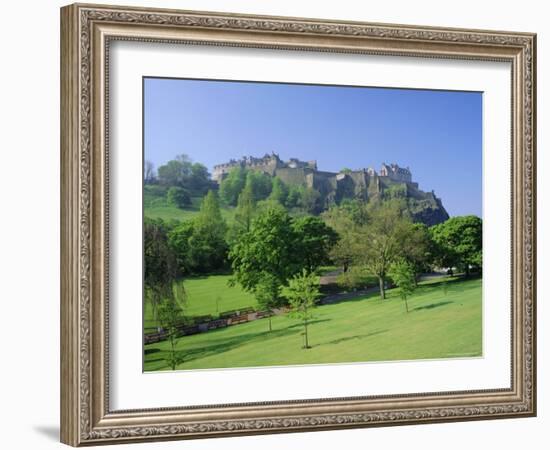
207 295
363 329
155 206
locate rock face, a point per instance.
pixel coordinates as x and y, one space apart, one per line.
367 184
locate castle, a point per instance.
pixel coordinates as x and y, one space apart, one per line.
272 165
364 183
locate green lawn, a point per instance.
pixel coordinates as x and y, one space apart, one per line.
363 329
207 295
169 212
155 206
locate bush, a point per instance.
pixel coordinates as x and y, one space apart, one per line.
178 196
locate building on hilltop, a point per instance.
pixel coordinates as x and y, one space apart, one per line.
366 184
269 164
396 173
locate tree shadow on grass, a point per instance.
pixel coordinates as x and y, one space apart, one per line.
221 345
351 338
148 351
432 305
453 284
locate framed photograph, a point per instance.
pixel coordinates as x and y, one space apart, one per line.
276 224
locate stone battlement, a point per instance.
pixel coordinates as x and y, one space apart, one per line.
269 163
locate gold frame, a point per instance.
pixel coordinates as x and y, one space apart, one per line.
86 31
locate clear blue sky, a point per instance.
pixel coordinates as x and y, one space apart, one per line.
438 134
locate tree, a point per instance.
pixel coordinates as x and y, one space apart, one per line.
178 239
161 268
148 172
268 248
279 191
382 241
210 211
259 183
309 200
246 208
276 248
232 185
268 293
293 197
178 196
207 245
419 249
459 242
314 240
263 258
175 172
302 292
170 316
199 244
403 275
199 179
182 172
345 220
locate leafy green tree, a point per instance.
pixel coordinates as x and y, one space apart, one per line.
208 248
232 185
178 239
175 172
403 275
342 219
309 200
161 268
382 241
293 197
314 240
357 210
259 183
170 316
182 172
210 211
199 179
459 242
200 244
419 249
268 248
178 196
279 191
302 292
276 248
246 208
268 294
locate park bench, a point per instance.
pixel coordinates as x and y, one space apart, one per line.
262 314
202 319
153 338
242 318
220 323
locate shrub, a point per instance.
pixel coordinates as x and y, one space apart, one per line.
178 196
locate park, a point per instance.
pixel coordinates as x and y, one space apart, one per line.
253 271
360 330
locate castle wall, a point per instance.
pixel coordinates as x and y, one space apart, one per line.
292 177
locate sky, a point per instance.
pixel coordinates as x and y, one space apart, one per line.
437 134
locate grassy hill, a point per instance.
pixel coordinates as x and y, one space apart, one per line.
155 206
363 329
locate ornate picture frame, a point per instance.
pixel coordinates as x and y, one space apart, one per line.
87 31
